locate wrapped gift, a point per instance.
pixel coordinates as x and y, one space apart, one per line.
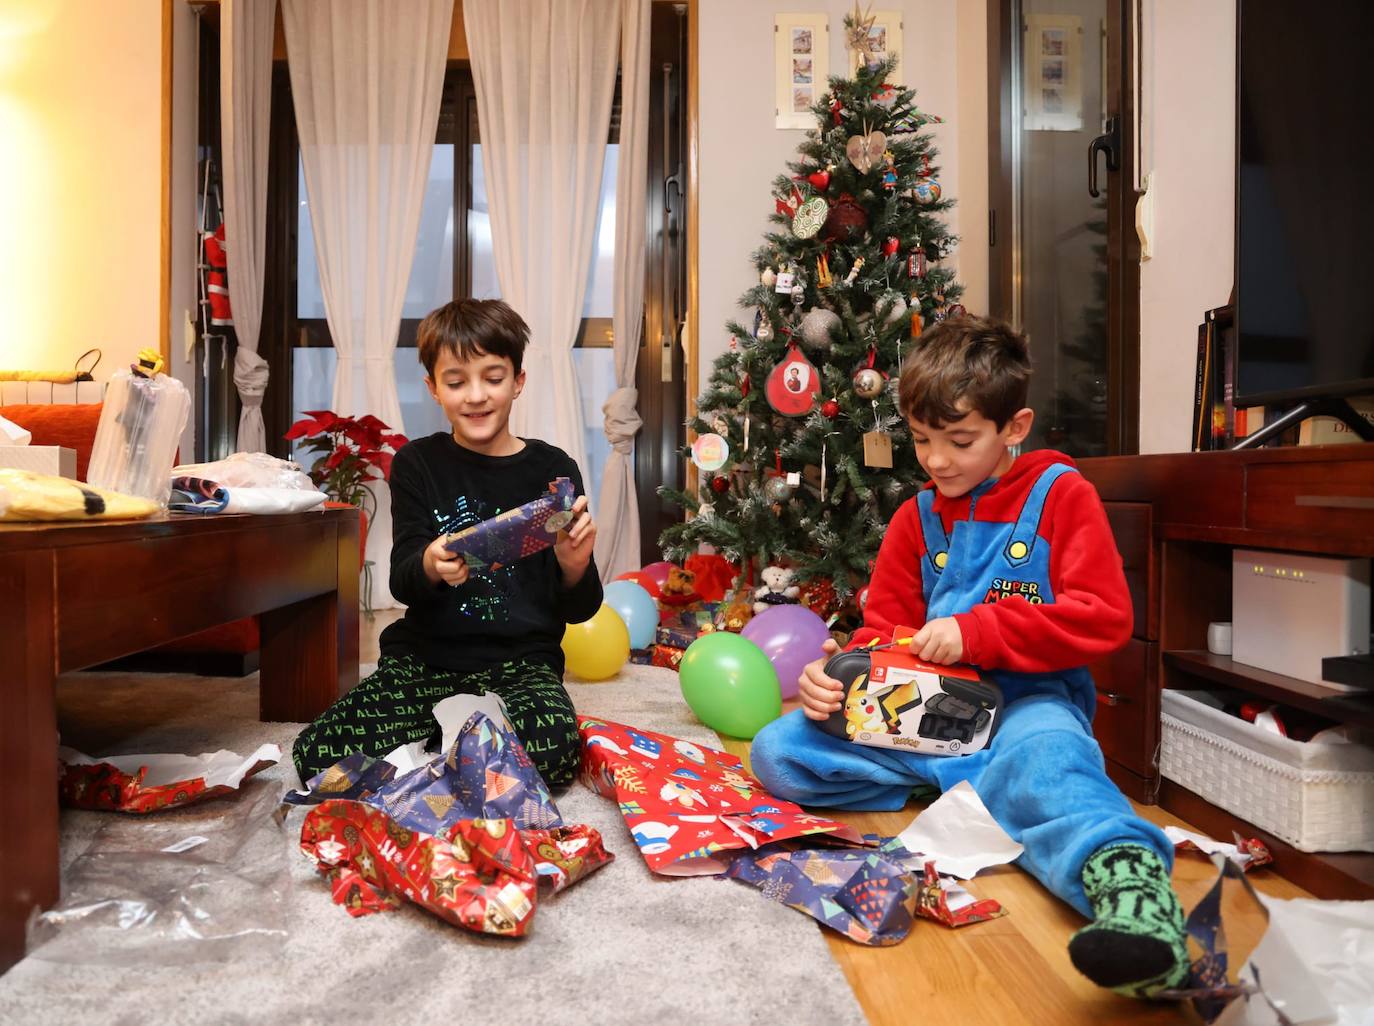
668 656
146 783
687 807
518 532
675 636
642 656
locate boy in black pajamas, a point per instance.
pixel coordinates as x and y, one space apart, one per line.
471 629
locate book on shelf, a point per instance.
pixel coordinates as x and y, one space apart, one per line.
1214 413
1330 431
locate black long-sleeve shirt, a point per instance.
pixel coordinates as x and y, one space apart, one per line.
516 612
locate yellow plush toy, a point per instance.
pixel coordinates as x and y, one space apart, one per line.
25 495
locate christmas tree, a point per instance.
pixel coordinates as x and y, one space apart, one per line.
802 406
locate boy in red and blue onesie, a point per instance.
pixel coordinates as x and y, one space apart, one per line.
1010 565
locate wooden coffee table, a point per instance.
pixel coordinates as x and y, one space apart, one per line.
76 595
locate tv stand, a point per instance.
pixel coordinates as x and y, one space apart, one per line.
1176 519
1325 406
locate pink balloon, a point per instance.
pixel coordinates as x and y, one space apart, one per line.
658 572
790 636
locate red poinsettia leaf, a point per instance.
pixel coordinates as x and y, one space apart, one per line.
382 461
302 429
357 433
395 441
371 423
336 457
327 416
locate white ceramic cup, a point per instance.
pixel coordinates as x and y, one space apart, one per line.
1219 638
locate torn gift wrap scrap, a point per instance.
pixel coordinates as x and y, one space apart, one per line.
469 834
146 783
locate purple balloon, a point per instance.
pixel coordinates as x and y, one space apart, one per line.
790 636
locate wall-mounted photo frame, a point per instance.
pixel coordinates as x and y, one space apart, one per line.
1052 55
801 60
884 37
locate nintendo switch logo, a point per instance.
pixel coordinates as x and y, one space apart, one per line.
879 674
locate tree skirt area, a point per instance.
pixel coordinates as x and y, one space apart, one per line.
622 946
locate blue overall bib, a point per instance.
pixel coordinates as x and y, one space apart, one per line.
1042 778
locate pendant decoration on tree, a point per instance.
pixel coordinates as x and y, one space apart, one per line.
706 511
846 221
744 389
916 263
891 246
794 385
889 172
779 486
823 279
916 326
868 380
789 205
857 27
886 95
765 330
820 178
710 451
864 151
895 306
767 277
854 271
956 310
798 298
836 110
782 283
927 191
818 326
720 484
810 218
830 409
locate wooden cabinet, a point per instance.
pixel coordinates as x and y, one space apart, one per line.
1176 518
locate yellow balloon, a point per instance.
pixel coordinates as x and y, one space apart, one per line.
597 648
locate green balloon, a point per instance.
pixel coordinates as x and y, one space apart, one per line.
730 684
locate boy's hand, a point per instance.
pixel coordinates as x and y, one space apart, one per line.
821 695
574 546
443 565
939 641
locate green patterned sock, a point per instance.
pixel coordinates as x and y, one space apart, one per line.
1136 944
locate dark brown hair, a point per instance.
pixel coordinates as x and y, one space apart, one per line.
969 362
472 327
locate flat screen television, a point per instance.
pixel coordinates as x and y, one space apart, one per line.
1304 201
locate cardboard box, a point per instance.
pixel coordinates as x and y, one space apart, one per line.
55 460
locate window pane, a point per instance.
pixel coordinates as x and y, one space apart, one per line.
596 382
431 270
599 301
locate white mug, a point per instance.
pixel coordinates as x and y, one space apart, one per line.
1219 638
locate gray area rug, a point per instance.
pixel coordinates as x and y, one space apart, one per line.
622 946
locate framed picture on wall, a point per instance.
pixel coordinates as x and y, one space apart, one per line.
1052 55
884 37
801 58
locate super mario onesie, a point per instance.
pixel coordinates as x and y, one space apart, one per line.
1027 566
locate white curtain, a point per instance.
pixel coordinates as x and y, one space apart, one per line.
617 537
545 77
245 115
366 76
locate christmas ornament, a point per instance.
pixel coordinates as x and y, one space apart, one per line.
776 489
836 110
820 179
768 277
818 325
889 172
765 331
868 383
916 325
927 191
810 218
793 385
857 26
720 485
823 279
798 298
782 283
916 263
720 425
710 451
846 220
789 205
744 390
830 409
864 151
956 310
891 246
706 511
896 311
886 95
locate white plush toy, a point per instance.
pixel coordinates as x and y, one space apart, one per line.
777 589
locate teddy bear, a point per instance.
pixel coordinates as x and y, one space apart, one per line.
679 589
777 589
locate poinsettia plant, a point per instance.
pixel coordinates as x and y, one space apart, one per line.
353 451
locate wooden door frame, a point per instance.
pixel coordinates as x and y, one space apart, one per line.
1123 246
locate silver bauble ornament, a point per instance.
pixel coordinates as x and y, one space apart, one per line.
777 489
765 332
868 383
817 325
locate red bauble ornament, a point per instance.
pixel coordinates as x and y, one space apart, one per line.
846 221
744 387
891 246
720 485
820 179
830 409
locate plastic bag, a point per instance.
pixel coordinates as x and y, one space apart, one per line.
136 439
249 470
205 883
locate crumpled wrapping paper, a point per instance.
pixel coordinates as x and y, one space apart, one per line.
146 783
689 808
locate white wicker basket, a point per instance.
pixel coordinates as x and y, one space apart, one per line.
1315 797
